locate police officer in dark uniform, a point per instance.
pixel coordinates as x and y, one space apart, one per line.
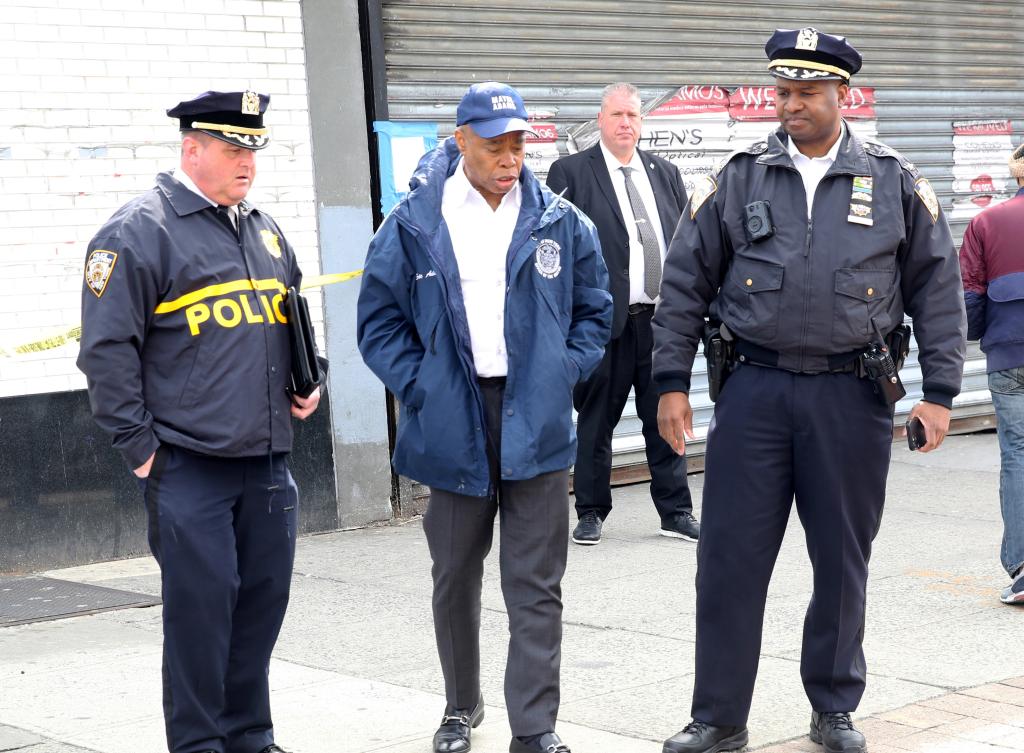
186 350
807 248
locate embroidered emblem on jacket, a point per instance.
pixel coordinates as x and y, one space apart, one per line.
548 259
98 270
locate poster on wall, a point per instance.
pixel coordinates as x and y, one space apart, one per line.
981 177
542 148
694 127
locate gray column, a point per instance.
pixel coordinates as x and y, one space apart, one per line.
341 164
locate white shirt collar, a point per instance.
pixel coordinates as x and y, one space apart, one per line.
458 191
829 157
182 177
613 162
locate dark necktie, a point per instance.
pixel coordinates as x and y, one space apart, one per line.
648 237
225 212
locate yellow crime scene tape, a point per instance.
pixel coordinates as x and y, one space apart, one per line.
74 334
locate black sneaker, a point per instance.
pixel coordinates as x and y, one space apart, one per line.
835 731
700 737
588 530
681 526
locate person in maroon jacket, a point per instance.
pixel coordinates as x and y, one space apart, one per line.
992 266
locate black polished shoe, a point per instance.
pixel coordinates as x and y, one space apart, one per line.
273 748
588 530
453 734
835 731
681 526
549 742
700 737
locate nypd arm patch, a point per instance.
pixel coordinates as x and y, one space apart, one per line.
98 268
926 194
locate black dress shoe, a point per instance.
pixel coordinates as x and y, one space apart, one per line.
453 734
700 737
835 731
588 530
273 748
549 742
681 526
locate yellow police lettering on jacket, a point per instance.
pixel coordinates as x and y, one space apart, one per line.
231 305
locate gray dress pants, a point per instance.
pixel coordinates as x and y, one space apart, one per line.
534 531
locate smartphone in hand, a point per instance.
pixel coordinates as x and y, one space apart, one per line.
916 436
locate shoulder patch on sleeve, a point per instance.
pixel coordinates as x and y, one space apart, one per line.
758 147
98 269
926 194
703 188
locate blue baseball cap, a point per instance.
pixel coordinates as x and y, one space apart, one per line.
811 55
492 109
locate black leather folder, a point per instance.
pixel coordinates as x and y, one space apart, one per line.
306 373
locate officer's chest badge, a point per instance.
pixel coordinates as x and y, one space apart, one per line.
926 193
98 269
861 198
548 259
272 242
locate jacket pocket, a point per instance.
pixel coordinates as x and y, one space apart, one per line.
197 374
755 294
860 296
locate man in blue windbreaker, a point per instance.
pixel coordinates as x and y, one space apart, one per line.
484 301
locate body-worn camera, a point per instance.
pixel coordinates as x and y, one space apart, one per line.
877 365
757 221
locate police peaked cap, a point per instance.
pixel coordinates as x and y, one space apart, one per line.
811 55
234 117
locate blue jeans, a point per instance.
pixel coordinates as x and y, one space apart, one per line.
1007 388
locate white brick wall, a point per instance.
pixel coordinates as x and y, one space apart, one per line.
83 89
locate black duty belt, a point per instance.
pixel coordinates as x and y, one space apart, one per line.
635 309
841 363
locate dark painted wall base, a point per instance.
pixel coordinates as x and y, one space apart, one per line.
67 498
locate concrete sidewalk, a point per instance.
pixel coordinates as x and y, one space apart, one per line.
356 671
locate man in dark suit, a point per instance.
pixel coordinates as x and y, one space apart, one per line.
635 200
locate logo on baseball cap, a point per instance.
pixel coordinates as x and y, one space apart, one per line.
492 109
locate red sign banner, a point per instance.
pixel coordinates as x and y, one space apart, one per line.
545 132
982 128
758 103
693 100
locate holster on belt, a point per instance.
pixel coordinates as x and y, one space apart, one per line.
881 362
720 354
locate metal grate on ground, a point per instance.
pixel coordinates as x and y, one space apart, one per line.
30 598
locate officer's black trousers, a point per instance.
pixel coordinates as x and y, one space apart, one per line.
600 402
824 439
534 520
225 543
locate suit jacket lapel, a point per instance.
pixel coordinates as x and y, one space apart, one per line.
662 192
604 181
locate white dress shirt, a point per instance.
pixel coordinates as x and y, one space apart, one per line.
636 248
481 237
182 177
813 169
